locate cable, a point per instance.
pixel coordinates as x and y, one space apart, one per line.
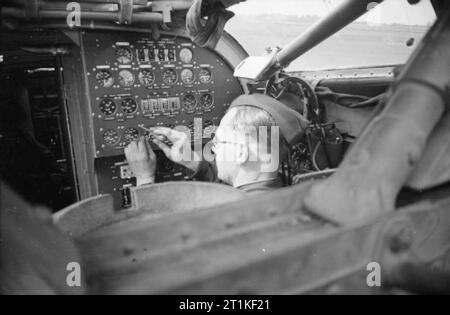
313 157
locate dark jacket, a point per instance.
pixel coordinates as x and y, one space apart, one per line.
208 173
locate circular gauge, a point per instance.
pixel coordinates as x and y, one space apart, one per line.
146 77
170 77
130 134
124 55
111 137
104 78
205 75
129 106
187 76
108 107
186 55
126 78
207 101
189 102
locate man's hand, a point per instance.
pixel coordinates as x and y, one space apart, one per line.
180 152
142 161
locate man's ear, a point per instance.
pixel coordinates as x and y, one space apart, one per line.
242 154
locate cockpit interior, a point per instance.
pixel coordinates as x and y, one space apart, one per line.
80 81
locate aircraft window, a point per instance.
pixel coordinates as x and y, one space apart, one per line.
386 35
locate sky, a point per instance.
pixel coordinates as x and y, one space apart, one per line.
389 12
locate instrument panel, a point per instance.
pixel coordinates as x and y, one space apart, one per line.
136 81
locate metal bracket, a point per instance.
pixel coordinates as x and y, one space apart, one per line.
126 11
166 9
32 9
74 36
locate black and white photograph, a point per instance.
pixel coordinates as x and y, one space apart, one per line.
224 153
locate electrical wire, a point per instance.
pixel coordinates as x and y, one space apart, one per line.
313 157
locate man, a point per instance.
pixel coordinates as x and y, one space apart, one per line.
249 146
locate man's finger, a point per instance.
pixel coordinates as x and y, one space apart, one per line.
170 134
129 148
149 148
132 146
140 144
160 137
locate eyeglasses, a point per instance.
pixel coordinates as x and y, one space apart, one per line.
215 142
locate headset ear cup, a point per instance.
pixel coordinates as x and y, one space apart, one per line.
291 123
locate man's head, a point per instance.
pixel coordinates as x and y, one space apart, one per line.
248 139
254 136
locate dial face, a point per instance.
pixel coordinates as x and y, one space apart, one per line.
108 107
187 76
189 102
170 77
104 78
205 75
130 134
146 77
126 78
206 100
186 55
111 137
124 55
129 106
